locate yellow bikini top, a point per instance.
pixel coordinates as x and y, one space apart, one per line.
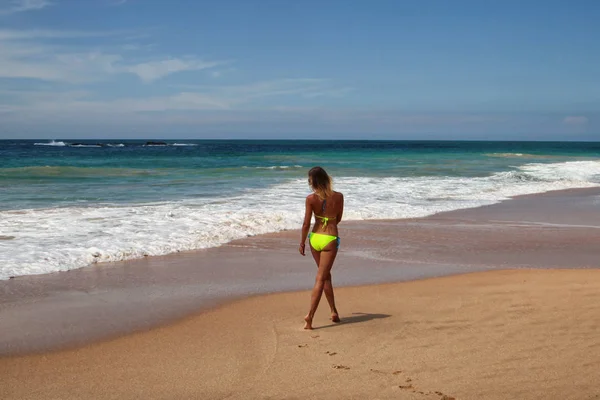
324 219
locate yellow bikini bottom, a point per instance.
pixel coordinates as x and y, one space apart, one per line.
318 241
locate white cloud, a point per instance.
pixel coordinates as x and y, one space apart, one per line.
277 87
17 6
80 103
13 34
575 120
335 92
49 63
137 47
77 105
6 109
184 101
45 56
222 72
295 87
151 71
27 54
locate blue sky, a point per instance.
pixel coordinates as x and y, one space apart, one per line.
421 69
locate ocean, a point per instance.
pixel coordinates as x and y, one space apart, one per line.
68 204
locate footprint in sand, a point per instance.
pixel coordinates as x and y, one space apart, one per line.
303 345
314 336
331 353
336 366
409 386
377 371
383 372
444 397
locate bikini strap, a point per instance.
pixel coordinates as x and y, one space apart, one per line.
324 219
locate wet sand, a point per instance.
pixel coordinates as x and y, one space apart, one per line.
70 309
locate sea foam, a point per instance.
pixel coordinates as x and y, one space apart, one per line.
59 239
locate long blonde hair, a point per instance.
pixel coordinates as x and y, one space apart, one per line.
320 182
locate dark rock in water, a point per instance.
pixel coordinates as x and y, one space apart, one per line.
155 144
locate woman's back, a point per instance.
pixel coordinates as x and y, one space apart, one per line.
328 212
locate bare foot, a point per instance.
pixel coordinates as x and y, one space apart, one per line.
308 324
335 317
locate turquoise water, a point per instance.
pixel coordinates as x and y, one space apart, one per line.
66 205
50 176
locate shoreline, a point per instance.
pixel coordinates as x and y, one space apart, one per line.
110 300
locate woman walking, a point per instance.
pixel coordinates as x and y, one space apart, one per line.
328 207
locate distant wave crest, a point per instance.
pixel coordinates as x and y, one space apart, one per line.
75 144
52 143
274 167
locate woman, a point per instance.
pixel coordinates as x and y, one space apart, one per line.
328 207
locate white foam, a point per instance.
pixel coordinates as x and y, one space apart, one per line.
52 143
275 167
507 155
66 238
183 144
116 145
522 155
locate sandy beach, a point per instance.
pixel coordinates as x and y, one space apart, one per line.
526 334
496 302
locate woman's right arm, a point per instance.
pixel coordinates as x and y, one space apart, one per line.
305 224
339 216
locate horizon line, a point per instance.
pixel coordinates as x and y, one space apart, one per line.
308 140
